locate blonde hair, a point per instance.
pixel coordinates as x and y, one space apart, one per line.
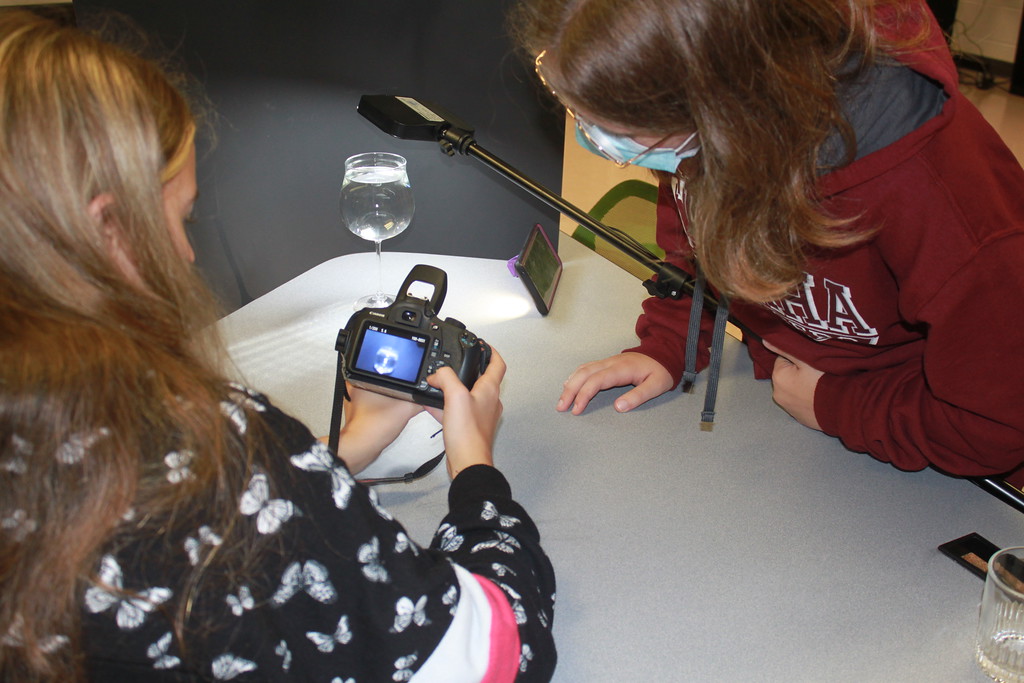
757 79
176 162
100 375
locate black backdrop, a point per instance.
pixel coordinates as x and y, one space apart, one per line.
284 78
945 13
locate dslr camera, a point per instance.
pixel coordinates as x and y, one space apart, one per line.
392 350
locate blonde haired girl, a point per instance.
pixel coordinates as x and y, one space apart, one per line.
159 522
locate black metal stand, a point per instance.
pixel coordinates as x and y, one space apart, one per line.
1002 490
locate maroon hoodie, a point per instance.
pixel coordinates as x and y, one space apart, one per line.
919 330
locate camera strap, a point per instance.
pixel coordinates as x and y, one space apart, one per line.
340 394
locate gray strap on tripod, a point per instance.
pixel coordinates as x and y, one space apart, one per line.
693 333
707 417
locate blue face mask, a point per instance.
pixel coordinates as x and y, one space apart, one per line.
624 150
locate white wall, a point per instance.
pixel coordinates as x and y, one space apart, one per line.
988 28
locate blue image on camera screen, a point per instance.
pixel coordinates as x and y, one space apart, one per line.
391 355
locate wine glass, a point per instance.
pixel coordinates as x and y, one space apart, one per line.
376 204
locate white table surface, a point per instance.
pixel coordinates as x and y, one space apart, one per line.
762 551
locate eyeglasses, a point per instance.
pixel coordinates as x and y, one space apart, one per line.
601 140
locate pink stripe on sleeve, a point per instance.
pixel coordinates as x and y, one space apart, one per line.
505 647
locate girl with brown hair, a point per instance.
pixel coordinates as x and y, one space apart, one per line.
159 523
813 158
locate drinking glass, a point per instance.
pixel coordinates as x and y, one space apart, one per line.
1000 649
376 204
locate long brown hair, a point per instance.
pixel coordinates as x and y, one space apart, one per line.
756 78
101 375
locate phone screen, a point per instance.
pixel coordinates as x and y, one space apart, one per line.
540 268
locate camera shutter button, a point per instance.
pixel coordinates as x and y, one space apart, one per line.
456 323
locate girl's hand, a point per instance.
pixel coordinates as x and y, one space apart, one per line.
372 422
648 377
470 418
793 385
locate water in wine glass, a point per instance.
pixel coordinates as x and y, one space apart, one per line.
376 204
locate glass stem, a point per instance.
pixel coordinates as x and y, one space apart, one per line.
380 271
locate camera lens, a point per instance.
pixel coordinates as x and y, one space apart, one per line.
409 316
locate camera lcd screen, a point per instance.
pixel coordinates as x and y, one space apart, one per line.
396 354
540 268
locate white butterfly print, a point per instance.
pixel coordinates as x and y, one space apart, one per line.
510 591
451 598
19 524
408 613
236 414
369 557
194 546
403 668
240 603
178 466
517 607
74 449
491 512
22 446
325 642
285 654
501 569
158 653
50 644
132 610
17 464
504 542
319 459
14 465
228 666
234 411
14 638
525 657
337 679
312 578
375 502
403 543
250 398
450 539
270 514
